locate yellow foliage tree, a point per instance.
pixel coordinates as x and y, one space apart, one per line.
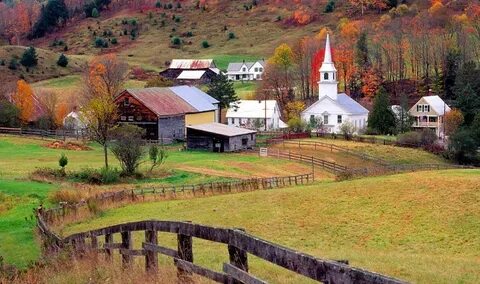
23 99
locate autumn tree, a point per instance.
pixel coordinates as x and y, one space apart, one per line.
453 120
23 99
283 58
103 79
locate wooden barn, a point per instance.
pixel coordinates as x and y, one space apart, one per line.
219 138
164 112
191 71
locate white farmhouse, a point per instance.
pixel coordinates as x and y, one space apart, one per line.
429 112
251 114
332 108
246 71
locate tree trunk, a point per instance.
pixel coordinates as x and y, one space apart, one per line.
105 152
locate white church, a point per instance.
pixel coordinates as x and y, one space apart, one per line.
332 108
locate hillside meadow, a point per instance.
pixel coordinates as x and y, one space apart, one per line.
421 227
19 195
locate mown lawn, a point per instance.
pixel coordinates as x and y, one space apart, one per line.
17 242
422 227
245 90
392 154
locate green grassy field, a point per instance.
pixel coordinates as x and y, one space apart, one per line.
18 245
422 227
21 156
392 154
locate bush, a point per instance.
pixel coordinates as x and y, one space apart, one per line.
99 42
9 114
114 40
133 22
231 35
297 125
12 65
177 19
157 156
330 6
428 137
48 173
205 44
176 41
63 162
411 138
347 129
62 60
158 4
29 57
127 147
95 13
93 176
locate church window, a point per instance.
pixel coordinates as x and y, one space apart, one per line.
325 119
325 76
339 119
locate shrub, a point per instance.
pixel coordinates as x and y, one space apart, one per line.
9 114
29 57
114 40
411 138
99 42
127 147
176 41
189 34
205 44
93 176
297 125
12 65
158 4
124 21
95 13
347 129
177 19
65 48
157 156
109 175
133 22
62 60
170 6
330 6
63 162
231 35
48 173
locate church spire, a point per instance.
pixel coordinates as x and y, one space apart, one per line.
328 85
328 51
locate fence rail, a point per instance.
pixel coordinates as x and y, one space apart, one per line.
60 212
328 146
239 243
59 134
326 165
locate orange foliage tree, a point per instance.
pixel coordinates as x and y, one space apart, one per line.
24 100
453 119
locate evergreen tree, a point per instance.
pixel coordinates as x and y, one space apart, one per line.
52 13
95 13
468 101
62 60
222 89
362 51
330 6
29 57
381 119
450 72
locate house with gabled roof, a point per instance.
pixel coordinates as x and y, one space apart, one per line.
191 71
253 114
334 109
429 112
165 112
246 71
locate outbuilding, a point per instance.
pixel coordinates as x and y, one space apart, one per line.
219 138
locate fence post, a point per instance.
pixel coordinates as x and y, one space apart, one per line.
238 257
151 257
185 252
126 244
108 251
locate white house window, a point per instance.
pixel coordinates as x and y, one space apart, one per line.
325 119
339 119
325 76
260 69
426 108
419 108
244 69
256 69
333 76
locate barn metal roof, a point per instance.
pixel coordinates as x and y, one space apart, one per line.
162 101
174 100
191 75
192 64
221 129
195 97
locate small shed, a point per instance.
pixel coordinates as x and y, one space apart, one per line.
218 137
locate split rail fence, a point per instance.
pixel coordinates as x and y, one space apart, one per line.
239 244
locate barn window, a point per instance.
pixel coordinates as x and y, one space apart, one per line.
126 102
244 141
325 76
251 137
130 118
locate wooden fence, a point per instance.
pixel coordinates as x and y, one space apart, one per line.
202 189
317 145
239 243
326 165
59 134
